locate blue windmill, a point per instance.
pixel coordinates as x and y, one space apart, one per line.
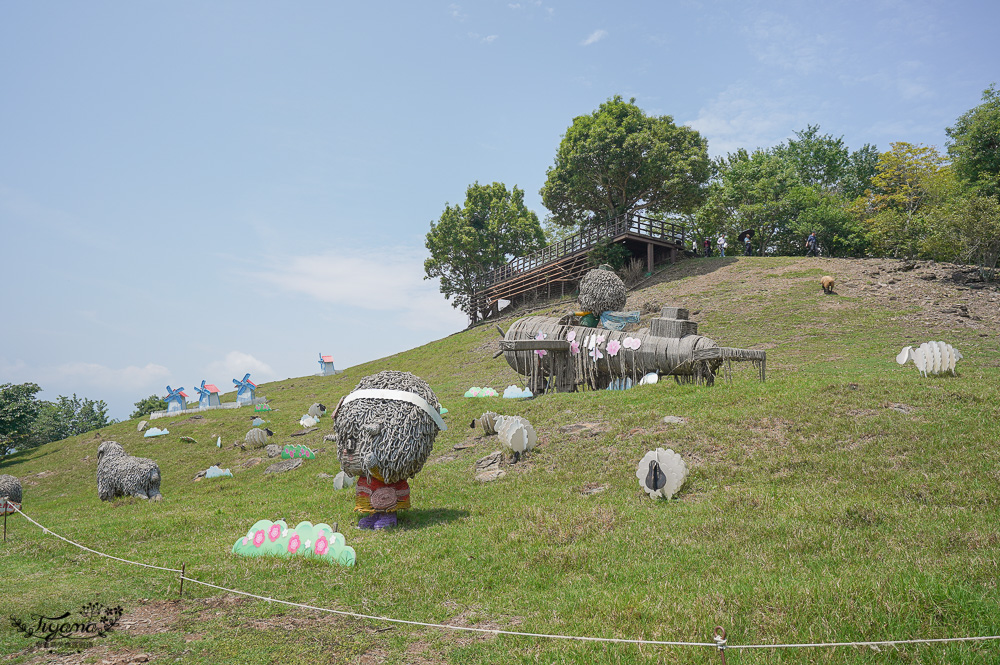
245 390
208 395
176 399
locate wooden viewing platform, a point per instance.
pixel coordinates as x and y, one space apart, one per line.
564 262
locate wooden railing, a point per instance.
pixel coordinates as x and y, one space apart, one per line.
586 240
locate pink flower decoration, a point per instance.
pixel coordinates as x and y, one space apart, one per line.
631 343
321 546
540 336
258 538
574 347
293 544
274 532
595 353
614 346
571 335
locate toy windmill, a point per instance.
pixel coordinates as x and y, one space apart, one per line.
208 395
176 399
245 389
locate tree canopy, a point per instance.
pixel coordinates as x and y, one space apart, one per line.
619 160
18 411
471 240
975 145
147 405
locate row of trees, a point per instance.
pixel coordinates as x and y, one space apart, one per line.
27 422
910 201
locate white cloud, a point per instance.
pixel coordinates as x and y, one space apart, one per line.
778 42
594 37
741 117
456 12
101 376
514 5
488 39
234 366
391 281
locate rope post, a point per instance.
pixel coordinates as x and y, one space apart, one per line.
183 566
720 642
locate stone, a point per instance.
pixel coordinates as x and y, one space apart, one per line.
188 439
593 488
324 475
590 429
674 420
303 432
490 475
463 446
491 461
253 461
283 466
273 450
142 426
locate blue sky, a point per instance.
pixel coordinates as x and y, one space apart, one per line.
194 190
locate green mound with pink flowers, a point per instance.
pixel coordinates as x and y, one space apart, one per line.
292 451
317 541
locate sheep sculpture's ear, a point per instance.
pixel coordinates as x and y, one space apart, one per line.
905 355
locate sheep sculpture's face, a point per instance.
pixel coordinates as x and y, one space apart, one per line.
109 449
391 437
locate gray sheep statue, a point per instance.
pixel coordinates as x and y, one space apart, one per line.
10 487
385 431
120 474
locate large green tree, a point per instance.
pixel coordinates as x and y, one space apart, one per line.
619 160
469 241
910 182
974 147
66 417
18 411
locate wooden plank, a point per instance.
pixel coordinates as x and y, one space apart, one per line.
555 345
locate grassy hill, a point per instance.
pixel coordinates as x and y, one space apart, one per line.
844 499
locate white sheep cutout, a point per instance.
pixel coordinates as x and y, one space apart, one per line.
516 434
661 473
931 357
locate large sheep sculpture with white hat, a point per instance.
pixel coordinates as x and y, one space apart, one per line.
385 431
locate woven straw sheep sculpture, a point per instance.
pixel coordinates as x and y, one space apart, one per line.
10 487
120 474
255 438
602 291
931 357
385 431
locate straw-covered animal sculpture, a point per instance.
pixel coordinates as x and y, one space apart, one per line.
385 431
120 474
827 283
931 357
602 291
10 487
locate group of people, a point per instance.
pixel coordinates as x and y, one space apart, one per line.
722 244
812 246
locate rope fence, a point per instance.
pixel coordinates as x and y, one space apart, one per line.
719 642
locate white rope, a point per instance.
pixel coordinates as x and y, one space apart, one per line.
400 396
862 644
52 533
492 631
719 644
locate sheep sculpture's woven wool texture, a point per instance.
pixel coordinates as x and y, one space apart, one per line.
602 291
389 437
120 474
256 438
10 487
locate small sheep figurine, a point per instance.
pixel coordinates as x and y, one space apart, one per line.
10 487
120 474
385 431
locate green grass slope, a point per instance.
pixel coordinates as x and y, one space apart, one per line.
844 499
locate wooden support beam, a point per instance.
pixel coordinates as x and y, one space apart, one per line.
649 257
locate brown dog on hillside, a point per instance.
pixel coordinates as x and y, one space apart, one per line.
827 282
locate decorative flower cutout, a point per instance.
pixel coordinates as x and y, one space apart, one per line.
274 532
614 346
540 336
631 343
571 335
574 347
258 538
322 545
294 543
